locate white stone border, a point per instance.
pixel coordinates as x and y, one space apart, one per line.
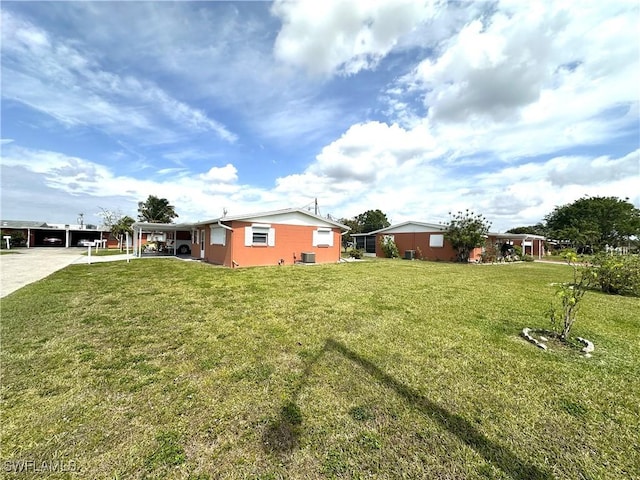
588 346
529 338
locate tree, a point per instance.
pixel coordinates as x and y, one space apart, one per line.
563 314
466 231
366 222
156 210
118 224
121 228
537 229
595 222
372 220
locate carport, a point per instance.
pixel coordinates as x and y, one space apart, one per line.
169 237
42 234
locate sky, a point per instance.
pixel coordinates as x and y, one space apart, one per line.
507 108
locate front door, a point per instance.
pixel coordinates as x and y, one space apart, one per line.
202 244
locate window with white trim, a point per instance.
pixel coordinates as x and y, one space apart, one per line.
436 240
259 235
323 237
218 236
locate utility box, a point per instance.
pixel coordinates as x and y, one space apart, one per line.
409 254
308 257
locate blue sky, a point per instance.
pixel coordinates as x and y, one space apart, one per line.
416 108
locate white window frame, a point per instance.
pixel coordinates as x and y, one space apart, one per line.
436 240
321 239
218 236
249 230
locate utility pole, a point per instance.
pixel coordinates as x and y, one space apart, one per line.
316 204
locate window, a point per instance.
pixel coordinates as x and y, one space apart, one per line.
259 235
323 237
218 236
436 240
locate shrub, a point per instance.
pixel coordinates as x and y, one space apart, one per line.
490 254
527 258
618 274
17 239
389 247
356 253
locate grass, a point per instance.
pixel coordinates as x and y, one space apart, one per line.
379 369
8 252
106 252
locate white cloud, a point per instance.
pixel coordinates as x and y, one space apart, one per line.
369 151
375 165
532 60
226 174
55 77
344 36
195 196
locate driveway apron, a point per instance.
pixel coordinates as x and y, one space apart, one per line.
31 265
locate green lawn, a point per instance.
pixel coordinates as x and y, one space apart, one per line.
378 369
104 252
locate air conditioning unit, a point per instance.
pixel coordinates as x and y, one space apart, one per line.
409 254
308 257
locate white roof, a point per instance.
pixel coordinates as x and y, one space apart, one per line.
162 227
518 236
411 227
287 212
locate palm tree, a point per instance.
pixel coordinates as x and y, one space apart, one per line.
156 210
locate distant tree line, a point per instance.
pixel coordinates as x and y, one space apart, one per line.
590 224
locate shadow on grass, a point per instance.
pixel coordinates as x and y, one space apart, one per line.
282 435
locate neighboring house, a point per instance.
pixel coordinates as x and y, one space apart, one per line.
426 241
270 238
533 245
419 240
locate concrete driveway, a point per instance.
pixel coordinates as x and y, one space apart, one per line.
32 264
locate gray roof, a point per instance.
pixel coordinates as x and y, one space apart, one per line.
22 224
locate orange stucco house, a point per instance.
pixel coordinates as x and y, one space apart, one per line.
426 241
271 238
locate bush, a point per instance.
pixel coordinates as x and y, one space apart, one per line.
618 274
356 253
17 239
527 258
490 254
389 247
